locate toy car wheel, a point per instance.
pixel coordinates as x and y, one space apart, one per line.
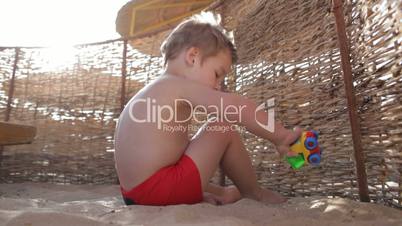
315 132
310 143
314 159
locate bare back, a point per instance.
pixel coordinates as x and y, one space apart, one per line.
143 145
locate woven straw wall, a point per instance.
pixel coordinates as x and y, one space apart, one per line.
288 51
74 109
375 31
292 56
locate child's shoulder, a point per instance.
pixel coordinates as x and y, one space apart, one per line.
170 79
171 86
164 86
167 82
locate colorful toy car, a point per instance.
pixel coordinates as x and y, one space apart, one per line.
307 150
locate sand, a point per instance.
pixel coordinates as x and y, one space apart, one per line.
31 204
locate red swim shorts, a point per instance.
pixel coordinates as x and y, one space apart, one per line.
176 184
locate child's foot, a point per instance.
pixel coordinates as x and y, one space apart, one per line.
230 195
211 198
271 197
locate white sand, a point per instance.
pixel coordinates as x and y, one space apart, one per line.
45 204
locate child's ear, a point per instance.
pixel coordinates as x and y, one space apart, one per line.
192 55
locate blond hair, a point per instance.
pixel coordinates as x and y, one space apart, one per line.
210 39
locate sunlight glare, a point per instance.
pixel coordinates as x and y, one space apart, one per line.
51 23
58 57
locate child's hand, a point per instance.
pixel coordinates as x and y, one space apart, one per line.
284 138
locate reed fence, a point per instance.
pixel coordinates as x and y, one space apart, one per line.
294 51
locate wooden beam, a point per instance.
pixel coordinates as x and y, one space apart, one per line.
351 100
11 134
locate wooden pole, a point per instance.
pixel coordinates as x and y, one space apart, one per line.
123 76
123 81
10 94
351 99
12 85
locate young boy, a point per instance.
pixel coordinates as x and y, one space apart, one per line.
157 163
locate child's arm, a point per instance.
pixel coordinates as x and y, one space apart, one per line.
198 94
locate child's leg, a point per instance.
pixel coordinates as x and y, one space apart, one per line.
209 148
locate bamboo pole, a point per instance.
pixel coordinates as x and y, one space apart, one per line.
351 100
12 84
123 76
